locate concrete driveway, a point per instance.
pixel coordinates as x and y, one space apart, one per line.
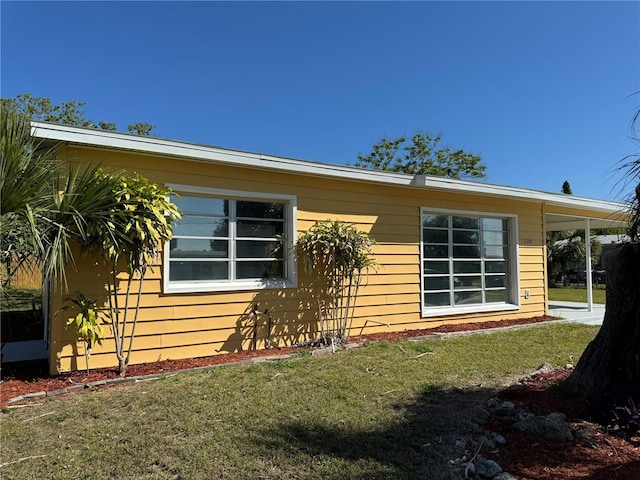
577 312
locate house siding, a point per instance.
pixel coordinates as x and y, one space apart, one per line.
184 325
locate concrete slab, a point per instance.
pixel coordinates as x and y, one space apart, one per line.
577 312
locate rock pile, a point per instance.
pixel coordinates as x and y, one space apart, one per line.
476 466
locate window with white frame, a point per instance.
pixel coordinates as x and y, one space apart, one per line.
229 241
468 262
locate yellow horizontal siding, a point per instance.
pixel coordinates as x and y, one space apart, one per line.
199 324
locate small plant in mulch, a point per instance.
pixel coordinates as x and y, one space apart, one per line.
87 324
626 420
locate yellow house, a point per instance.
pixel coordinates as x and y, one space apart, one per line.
450 251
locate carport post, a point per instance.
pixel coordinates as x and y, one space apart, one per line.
588 271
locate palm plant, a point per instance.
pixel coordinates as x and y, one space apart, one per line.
82 203
631 166
49 206
566 247
26 180
45 204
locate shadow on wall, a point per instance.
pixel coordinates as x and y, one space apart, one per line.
272 320
277 318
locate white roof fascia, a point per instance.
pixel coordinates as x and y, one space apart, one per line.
158 146
202 153
488 189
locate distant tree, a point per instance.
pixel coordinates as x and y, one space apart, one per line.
569 246
422 157
565 247
143 129
110 126
43 109
609 231
66 113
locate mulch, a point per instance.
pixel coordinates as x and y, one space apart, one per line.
32 377
595 453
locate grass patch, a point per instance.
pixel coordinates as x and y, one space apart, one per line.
20 299
578 294
389 410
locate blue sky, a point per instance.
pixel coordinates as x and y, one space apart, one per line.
542 91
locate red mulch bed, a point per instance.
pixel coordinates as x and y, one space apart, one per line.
599 456
603 457
32 377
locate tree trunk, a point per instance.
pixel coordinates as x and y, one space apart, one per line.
608 373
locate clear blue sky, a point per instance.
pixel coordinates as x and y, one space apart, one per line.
540 90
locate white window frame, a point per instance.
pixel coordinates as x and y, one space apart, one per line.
514 266
290 222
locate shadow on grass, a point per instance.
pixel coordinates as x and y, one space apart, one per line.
418 443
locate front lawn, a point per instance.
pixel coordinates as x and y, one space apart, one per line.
390 410
577 294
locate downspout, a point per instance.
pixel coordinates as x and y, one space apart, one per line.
587 260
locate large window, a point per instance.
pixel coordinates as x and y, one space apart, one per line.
468 262
229 241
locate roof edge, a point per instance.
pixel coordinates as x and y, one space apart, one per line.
204 153
159 146
554 199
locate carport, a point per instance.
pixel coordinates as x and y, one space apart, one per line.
556 219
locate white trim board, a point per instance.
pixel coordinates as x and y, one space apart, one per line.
92 137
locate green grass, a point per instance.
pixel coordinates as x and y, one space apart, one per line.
577 294
391 410
14 299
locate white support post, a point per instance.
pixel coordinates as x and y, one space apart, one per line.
588 270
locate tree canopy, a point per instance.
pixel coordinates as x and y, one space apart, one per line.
47 206
421 155
66 113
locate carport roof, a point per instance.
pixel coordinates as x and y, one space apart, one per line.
558 222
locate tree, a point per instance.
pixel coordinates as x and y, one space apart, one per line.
567 247
44 205
422 157
42 109
143 129
25 186
47 206
109 126
66 113
608 373
140 220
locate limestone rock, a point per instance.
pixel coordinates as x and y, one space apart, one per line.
552 426
487 468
